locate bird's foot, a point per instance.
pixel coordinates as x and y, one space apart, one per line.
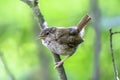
58 64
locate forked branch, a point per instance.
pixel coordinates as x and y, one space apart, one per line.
112 54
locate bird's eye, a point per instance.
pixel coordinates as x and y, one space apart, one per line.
73 31
47 33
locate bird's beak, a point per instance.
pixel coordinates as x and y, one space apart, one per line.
41 37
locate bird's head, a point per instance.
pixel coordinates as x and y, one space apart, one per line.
46 32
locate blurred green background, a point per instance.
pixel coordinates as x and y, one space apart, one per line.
22 57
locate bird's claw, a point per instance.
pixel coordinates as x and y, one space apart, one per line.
58 64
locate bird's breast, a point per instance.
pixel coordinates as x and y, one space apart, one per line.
61 49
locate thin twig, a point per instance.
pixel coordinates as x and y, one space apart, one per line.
41 22
112 54
115 32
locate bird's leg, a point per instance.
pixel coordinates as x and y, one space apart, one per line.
61 62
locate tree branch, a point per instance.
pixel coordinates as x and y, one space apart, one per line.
41 22
96 19
115 32
11 76
37 13
60 69
112 54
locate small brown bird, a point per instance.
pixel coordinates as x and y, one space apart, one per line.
63 41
